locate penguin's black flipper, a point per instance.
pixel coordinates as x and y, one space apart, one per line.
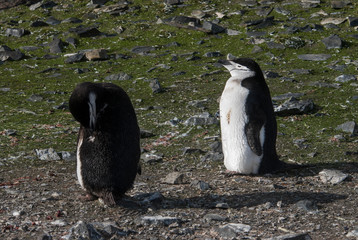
253 128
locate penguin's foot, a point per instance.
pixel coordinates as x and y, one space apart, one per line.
88 197
229 173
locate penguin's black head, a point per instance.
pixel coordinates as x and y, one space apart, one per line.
87 103
242 68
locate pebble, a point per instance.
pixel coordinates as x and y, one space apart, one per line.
174 178
151 158
294 106
349 127
155 86
159 220
332 41
96 54
232 230
118 77
291 236
201 119
201 185
345 78
314 57
214 217
332 176
47 154
307 205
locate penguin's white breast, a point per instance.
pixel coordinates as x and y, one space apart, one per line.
238 155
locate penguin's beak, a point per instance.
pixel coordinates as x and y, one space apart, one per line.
227 64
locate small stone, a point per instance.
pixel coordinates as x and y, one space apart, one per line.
294 236
146 133
332 41
203 186
11 55
52 21
270 74
314 57
82 230
232 230
16 32
212 27
56 46
10 132
159 220
332 176
35 98
99 2
59 223
84 32
353 233
345 78
202 119
273 45
72 20
294 106
39 23
212 156
149 198
151 158
214 217
142 50
77 57
47 154
307 205
96 54
174 178
222 205
155 86
118 77
334 21
213 54
188 150
349 127
353 21
338 4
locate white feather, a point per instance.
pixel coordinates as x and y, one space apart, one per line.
238 155
79 165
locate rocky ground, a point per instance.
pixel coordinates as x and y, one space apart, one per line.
165 55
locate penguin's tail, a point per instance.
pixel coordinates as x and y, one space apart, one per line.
109 198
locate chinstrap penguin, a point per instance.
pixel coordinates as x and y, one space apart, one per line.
247 120
108 145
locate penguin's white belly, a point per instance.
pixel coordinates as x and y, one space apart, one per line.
79 165
238 155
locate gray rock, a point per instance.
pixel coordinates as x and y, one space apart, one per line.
339 4
287 96
212 156
332 176
96 54
118 77
142 50
222 205
82 230
72 20
35 98
99 2
109 229
72 41
149 198
295 43
15 55
174 178
174 2
314 57
232 230
16 32
214 217
349 127
151 157
270 74
301 71
47 154
212 27
307 205
4 89
199 103
353 233
155 86
39 23
77 57
294 106
300 143
232 32
146 133
332 41
159 220
353 21
216 147
201 119
67 156
35 6
4 48
294 236
188 150
10 132
52 21
84 32
273 45
203 186
29 48
345 78
56 46
213 54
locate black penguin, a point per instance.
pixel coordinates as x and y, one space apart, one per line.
247 119
108 148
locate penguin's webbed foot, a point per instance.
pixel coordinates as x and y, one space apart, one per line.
229 173
88 197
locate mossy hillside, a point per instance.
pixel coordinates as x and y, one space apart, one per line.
53 128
